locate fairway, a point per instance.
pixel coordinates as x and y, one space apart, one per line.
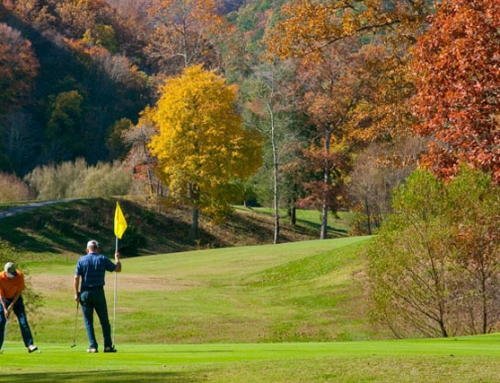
462 359
286 313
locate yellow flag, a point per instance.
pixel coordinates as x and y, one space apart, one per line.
120 222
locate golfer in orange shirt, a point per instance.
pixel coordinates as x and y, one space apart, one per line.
11 288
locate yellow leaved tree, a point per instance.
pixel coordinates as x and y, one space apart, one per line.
203 151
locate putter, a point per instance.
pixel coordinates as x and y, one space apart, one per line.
76 321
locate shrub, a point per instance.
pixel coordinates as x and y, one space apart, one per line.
434 267
78 180
13 189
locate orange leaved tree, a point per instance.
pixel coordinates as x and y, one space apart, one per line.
457 69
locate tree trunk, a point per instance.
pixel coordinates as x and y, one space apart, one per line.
292 213
276 190
326 187
193 233
368 216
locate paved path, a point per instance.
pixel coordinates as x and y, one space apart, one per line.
19 209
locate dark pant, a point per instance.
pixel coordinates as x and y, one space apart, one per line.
90 300
21 317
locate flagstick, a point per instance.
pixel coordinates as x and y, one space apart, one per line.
114 299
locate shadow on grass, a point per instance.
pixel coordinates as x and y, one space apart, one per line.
107 376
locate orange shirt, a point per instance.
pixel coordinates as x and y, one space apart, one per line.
9 287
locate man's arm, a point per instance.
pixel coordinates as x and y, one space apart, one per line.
14 300
5 309
77 288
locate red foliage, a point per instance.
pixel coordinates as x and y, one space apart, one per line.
457 68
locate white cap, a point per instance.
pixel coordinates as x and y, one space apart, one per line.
92 244
10 269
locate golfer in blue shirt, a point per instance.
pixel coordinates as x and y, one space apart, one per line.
90 271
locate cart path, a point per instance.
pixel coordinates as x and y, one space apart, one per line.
20 209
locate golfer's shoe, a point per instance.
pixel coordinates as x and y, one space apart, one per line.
32 348
110 349
92 350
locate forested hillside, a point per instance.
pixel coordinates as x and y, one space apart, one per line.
337 97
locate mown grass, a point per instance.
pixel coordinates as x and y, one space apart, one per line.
339 224
417 361
306 291
294 312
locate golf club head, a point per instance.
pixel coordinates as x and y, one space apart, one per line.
73 345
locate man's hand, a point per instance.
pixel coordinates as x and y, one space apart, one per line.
117 262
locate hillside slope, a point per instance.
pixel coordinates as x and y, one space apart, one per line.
291 292
64 228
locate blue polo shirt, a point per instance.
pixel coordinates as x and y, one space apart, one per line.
92 269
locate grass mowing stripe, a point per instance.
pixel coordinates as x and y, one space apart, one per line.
375 361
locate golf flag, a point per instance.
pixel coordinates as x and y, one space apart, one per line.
120 222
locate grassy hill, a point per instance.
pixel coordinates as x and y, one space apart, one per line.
233 290
65 228
294 312
305 291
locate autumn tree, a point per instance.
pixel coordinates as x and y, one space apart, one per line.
18 68
184 34
201 146
270 107
335 92
139 157
307 28
377 171
457 73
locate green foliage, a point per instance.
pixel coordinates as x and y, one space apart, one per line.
78 180
117 149
434 266
64 122
102 35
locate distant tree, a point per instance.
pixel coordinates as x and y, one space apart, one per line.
13 189
377 171
117 146
18 68
270 107
21 139
184 34
202 148
308 28
78 180
458 75
64 126
139 157
336 88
